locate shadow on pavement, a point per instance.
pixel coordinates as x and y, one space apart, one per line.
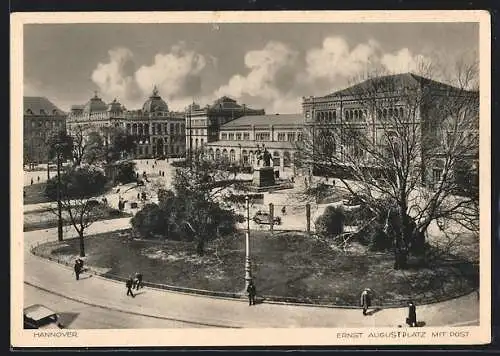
373 311
67 318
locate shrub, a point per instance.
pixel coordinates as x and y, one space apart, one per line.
331 223
125 172
358 216
83 182
148 221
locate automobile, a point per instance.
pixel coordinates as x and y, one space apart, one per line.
38 316
261 217
352 201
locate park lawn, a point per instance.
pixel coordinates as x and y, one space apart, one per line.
286 264
35 194
47 218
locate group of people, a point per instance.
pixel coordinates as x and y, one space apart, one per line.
37 179
366 302
134 283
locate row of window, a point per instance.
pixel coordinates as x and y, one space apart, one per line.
156 129
144 150
41 112
238 136
47 124
165 139
359 114
289 136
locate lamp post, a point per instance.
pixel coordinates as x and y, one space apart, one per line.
59 203
248 267
241 158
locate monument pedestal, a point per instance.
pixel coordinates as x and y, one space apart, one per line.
263 176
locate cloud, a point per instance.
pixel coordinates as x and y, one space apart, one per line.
404 61
177 73
115 78
335 59
270 70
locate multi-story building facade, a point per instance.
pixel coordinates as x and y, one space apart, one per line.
41 118
376 106
240 139
158 131
203 124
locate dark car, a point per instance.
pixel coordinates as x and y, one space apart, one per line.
38 316
352 201
264 218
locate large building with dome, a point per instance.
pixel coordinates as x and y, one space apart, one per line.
158 131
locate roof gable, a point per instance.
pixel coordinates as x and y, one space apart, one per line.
391 83
39 105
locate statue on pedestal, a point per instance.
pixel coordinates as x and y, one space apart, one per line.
264 156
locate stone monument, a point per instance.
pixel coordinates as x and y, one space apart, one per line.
263 173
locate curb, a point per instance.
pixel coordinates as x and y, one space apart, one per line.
128 311
234 295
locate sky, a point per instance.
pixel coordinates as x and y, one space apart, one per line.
269 66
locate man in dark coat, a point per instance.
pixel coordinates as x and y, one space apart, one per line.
138 281
129 284
78 270
412 314
252 291
365 300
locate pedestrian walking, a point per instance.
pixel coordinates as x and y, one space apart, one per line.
138 196
252 291
38 179
411 320
138 281
129 284
366 300
31 181
78 270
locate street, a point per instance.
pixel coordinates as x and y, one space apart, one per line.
76 315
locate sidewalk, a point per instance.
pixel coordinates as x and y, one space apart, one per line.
220 312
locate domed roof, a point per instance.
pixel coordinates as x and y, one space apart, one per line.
155 103
95 104
115 106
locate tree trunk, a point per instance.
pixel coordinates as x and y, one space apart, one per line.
82 244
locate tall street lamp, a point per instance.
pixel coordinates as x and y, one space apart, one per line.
248 267
59 203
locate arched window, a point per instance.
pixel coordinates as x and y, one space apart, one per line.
276 158
224 153
244 155
217 154
401 112
347 115
379 114
196 143
335 116
287 161
211 153
232 155
356 114
330 116
390 112
385 113
322 117
317 116
396 112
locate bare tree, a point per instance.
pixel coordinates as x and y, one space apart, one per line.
87 146
78 189
407 140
